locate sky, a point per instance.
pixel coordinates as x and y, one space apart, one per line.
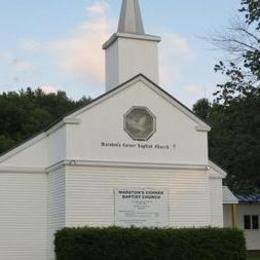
56 44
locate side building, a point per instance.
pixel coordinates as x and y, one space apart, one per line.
243 212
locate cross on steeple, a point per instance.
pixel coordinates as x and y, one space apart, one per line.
130 18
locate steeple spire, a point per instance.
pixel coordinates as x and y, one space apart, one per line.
130 18
130 51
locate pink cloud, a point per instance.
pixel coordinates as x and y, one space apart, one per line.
49 89
82 54
82 57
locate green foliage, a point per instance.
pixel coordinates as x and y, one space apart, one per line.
252 257
26 113
251 8
238 86
147 244
234 142
202 109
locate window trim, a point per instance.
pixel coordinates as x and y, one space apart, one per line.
255 225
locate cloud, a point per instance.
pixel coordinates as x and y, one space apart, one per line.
21 65
30 45
49 89
175 54
179 44
82 57
97 8
16 64
195 90
81 54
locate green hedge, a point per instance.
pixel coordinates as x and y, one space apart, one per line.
149 244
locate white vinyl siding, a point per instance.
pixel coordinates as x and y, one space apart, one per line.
228 215
56 207
252 236
90 197
23 216
216 199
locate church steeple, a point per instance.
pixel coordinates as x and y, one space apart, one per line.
130 18
130 51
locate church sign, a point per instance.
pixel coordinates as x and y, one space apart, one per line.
141 207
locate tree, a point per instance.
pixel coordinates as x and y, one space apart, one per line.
251 8
202 109
234 141
25 113
242 41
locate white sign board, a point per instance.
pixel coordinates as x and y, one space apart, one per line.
141 207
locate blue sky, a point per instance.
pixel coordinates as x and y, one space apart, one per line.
56 44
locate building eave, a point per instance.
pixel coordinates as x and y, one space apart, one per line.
228 197
218 169
115 36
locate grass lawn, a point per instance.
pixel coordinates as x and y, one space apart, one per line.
253 258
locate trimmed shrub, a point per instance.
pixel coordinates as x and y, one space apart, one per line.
149 244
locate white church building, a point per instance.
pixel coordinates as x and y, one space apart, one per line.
134 156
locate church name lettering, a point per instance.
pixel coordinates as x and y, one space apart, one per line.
138 146
127 194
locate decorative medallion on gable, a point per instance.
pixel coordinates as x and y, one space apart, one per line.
140 123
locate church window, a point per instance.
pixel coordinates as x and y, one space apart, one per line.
247 222
255 222
139 123
251 222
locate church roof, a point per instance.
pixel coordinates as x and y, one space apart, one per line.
228 196
130 18
71 117
202 125
251 198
